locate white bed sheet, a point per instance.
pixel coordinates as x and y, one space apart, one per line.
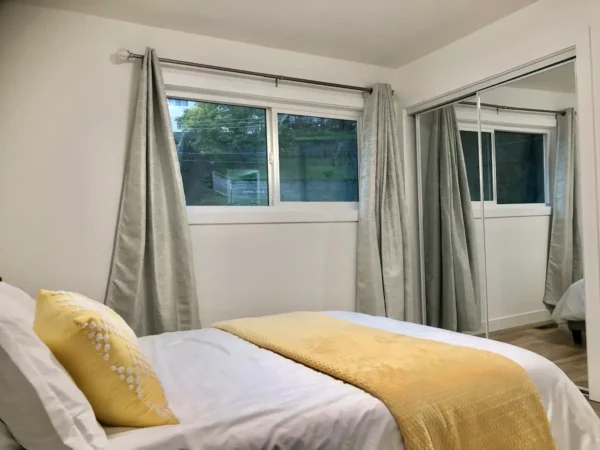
230 394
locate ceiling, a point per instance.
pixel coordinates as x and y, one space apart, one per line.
382 32
559 79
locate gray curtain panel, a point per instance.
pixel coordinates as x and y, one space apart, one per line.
152 283
451 266
383 258
565 262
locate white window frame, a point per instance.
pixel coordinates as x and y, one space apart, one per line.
491 207
277 211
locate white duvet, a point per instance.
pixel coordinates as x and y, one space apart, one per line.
230 394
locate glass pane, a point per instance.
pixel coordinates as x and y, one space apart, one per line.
222 152
470 146
520 167
318 159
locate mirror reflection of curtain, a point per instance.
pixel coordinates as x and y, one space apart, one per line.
451 270
565 264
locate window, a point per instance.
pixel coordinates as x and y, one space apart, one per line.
233 155
318 159
178 102
513 166
222 152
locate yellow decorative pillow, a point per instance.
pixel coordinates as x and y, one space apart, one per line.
102 355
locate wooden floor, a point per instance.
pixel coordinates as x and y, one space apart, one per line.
553 343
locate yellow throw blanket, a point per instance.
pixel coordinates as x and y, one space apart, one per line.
442 396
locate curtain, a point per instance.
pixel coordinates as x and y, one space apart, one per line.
565 264
451 267
383 248
151 283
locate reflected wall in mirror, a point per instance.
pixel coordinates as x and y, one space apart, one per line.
450 191
533 251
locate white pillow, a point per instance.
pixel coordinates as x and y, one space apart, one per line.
20 296
39 402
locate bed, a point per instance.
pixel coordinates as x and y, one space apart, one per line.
570 310
250 398
231 394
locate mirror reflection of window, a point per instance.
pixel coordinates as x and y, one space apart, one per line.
518 161
470 146
519 167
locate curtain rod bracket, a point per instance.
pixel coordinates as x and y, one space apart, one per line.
124 54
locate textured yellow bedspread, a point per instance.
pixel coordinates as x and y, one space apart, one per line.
442 396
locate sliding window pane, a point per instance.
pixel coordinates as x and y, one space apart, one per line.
470 145
318 159
222 152
520 167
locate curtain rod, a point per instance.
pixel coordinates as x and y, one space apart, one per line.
126 54
513 108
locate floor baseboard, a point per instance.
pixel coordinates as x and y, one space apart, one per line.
517 320
502 323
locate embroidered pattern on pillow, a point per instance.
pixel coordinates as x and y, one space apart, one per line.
102 355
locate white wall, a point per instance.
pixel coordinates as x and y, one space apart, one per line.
539 30
65 114
516 256
258 269
531 34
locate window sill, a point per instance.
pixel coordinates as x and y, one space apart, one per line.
223 215
504 211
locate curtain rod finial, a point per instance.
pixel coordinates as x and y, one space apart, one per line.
123 54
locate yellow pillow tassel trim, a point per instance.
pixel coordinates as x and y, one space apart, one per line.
102 355
442 396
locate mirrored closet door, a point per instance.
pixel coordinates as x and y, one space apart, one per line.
532 224
500 216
